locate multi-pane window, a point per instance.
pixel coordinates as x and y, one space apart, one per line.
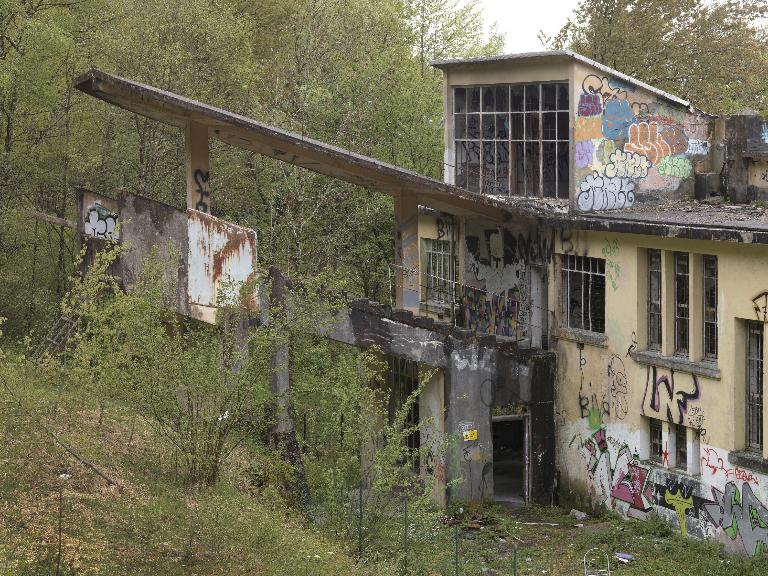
681 447
710 307
403 377
681 303
583 293
755 386
654 299
655 429
512 139
441 270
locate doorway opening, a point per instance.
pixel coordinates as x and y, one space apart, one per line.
510 459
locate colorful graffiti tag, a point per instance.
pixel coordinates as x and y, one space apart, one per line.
663 400
623 146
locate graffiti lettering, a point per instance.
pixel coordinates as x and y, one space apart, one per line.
587 128
607 88
590 105
100 222
760 306
617 378
603 193
617 119
491 313
680 505
673 406
633 346
697 147
627 165
584 153
612 268
740 514
676 166
646 138
201 179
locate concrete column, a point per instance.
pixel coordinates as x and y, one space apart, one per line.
407 272
197 167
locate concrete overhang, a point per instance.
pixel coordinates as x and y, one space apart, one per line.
292 148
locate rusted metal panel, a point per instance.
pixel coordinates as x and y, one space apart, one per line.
222 257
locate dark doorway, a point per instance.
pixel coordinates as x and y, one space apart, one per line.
510 441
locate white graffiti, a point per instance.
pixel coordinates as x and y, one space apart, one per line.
605 193
100 222
697 147
627 165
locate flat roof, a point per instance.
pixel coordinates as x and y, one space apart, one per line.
293 148
555 55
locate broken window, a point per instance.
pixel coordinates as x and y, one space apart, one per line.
655 429
710 307
512 139
403 380
681 447
755 386
583 293
681 303
441 272
654 299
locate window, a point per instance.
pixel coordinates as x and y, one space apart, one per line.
710 307
512 139
754 386
583 293
655 440
654 299
681 447
681 303
441 269
403 377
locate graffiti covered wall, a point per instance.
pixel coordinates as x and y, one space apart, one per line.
630 145
503 291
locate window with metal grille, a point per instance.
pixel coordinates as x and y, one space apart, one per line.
655 429
755 386
403 380
441 270
681 303
654 299
583 293
710 307
681 447
512 139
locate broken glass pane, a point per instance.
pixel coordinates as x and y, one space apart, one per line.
461 164
502 126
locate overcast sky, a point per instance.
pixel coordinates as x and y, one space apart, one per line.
521 20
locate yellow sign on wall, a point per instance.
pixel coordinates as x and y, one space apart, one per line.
470 435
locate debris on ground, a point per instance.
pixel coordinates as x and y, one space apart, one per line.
578 514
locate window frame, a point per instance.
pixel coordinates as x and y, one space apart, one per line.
477 133
681 447
439 251
403 380
654 336
710 309
656 440
754 403
588 273
682 303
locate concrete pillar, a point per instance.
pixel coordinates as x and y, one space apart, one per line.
407 270
197 167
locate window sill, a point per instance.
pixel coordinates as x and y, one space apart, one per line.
584 337
704 368
750 460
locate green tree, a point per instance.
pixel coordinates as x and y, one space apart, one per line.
712 53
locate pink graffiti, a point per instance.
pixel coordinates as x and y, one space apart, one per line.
590 105
632 489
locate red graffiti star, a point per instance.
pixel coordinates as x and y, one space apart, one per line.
665 455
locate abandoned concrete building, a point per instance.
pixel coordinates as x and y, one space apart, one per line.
586 280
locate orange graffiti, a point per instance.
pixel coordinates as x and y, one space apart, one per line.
587 128
645 138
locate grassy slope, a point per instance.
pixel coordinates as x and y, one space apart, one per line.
156 525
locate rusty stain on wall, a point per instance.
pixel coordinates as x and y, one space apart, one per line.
222 257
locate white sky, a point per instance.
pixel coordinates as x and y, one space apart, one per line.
521 20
